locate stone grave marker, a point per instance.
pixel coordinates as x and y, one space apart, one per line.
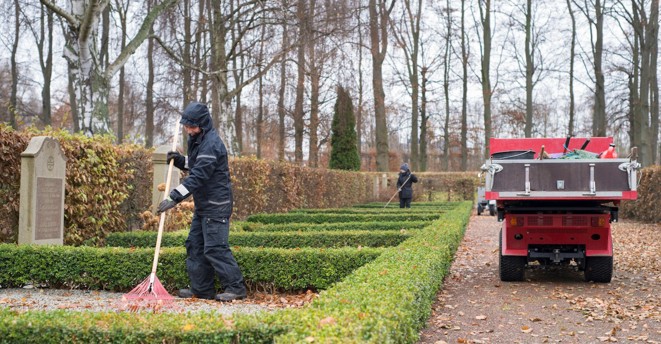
41 213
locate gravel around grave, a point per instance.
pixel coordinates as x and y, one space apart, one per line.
30 298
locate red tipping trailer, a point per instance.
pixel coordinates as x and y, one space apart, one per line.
556 198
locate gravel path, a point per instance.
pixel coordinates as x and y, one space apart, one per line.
474 306
97 301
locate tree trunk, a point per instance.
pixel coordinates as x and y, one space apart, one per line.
281 94
299 124
485 14
654 86
445 164
530 70
149 96
572 54
122 77
599 117
464 97
359 110
379 16
13 98
46 63
423 121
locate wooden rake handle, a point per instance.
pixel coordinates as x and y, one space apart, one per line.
161 221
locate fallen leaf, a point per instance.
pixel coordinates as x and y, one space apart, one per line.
526 329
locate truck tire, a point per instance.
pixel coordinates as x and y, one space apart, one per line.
512 268
492 210
598 269
479 208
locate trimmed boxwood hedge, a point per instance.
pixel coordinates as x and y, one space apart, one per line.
332 218
270 239
336 226
89 327
365 211
121 269
385 301
414 205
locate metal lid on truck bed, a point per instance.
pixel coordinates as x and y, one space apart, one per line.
578 178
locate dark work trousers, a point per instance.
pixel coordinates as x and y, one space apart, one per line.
208 251
405 203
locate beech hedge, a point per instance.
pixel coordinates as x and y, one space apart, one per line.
121 269
328 239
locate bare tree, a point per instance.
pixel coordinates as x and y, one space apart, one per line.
572 54
464 96
13 99
487 91
379 13
90 79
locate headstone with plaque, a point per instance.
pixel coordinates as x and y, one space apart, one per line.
41 214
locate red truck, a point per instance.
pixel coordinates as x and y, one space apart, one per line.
557 198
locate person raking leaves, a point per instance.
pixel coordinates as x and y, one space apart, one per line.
405 185
207 248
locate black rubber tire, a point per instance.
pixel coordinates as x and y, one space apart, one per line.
479 209
492 210
599 269
512 268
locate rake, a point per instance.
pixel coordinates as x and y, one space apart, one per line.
151 293
398 190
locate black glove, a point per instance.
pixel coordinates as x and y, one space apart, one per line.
179 160
166 204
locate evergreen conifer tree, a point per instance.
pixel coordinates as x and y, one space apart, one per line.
344 149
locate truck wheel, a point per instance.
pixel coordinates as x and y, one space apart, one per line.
512 268
599 269
492 210
479 208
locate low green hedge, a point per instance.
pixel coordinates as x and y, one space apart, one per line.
365 211
270 239
121 269
414 205
332 218
89 327
386 301
336 226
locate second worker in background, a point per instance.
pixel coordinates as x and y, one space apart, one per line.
405 186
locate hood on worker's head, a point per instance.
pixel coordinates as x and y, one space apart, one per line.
404 167
197 115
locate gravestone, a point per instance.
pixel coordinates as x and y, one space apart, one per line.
41 213
159 159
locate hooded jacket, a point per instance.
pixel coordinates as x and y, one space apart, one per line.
405 182
208 170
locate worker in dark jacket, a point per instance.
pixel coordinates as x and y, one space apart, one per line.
208 180
405 186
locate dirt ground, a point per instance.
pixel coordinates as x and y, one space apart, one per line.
551 306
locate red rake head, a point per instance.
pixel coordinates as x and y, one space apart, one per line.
150 295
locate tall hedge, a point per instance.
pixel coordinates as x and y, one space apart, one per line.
106 185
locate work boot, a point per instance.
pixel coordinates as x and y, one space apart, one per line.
187 294
227 296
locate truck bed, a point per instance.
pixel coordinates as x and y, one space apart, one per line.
603 179
591 179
